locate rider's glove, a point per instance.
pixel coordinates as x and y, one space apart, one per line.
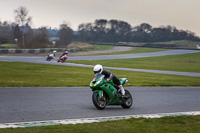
108 79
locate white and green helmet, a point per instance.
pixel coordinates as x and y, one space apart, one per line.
98 69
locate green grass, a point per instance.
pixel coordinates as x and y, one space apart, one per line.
97 47
185 62
93 47
180 124
102 47
169 44
9 45
185 42
132 51
16 74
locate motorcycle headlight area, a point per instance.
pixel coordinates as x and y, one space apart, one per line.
99 80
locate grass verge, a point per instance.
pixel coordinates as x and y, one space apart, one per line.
16 74
9 45
170 44
133 51
180 124
84 47
185 42
184 63
102 47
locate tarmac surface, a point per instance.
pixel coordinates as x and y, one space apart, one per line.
23 104
41 60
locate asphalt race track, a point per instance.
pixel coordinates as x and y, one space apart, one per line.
41 60
23 104
99 57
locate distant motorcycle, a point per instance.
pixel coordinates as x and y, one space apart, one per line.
49 57
62 59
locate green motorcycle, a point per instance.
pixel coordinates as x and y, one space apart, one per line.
107 93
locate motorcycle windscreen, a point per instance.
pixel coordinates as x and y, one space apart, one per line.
97 75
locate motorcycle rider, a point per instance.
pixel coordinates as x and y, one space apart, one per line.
65 53
52 54
109 76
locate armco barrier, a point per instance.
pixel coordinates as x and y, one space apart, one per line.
43 50
4 51
18 51
31 50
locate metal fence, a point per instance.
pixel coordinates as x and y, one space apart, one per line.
43 50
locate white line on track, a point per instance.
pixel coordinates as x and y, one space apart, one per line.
91 120
6 60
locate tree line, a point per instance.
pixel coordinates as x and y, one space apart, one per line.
20 32
101 30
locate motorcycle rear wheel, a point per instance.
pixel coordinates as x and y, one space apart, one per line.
99 103
128 102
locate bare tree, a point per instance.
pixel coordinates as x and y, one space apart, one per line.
65 34
22 18
40 38
5 32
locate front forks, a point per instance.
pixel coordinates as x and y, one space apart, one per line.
100 92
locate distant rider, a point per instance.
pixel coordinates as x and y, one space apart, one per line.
109 76
65 53
52 54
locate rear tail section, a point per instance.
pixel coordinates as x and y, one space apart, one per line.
123 80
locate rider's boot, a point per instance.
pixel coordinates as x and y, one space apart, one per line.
122 91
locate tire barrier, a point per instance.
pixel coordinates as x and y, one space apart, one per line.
43 50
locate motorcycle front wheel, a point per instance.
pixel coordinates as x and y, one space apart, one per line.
127 103
99 103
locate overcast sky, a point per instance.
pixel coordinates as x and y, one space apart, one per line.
184 14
